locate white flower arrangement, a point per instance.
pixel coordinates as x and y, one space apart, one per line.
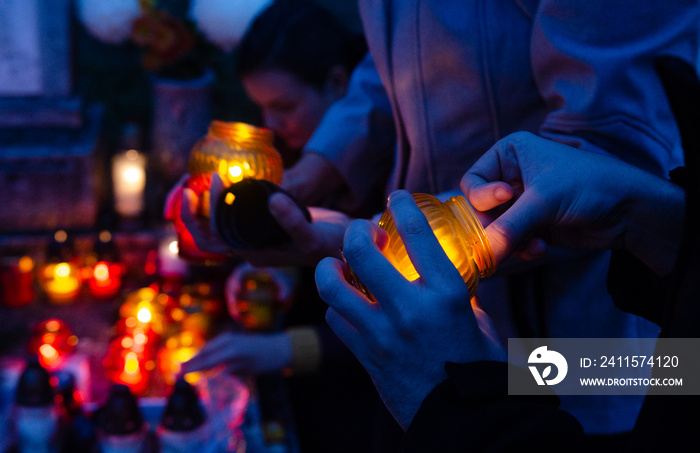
109 20
224 22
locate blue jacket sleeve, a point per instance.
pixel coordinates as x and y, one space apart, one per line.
357 135
593 64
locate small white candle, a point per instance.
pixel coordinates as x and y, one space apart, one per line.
129 180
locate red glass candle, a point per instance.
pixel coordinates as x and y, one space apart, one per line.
52 341
106 280
16 281
130 361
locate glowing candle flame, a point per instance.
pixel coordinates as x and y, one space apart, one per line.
132 175
131 363
48 351
144 315
101 271
62 270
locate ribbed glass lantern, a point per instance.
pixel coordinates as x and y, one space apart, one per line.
236 151
459 232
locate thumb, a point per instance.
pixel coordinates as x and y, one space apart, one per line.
290 217
486 196
507 232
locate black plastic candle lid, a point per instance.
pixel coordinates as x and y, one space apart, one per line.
121 413
243 218
183 411
34 385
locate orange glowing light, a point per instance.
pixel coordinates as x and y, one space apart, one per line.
130 321
61 282
48 352
235 171
185 300
177 350
127 342
61 270
146 293
184 354
105 279
51 342
25 264
140 338
101 271
60 236
178 314
186 339
459 232
144 315
131 363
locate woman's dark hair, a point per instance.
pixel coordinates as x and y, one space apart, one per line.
301 38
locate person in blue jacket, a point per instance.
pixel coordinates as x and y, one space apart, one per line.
457 77
437 362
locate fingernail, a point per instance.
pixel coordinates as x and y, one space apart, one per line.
502 194
398 195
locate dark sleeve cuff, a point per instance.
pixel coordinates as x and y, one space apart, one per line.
635 288
472 411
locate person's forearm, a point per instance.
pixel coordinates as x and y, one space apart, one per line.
357 135
312 178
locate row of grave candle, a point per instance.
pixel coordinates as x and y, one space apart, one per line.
63 275
158 330
155 332
50 415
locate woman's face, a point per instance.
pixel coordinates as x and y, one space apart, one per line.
291 108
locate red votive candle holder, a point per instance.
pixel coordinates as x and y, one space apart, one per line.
16 281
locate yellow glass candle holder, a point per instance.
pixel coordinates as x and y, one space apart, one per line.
236 151
459 232
60 281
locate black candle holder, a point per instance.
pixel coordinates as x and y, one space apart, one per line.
243 219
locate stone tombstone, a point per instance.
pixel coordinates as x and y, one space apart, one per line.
47 138
36 80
